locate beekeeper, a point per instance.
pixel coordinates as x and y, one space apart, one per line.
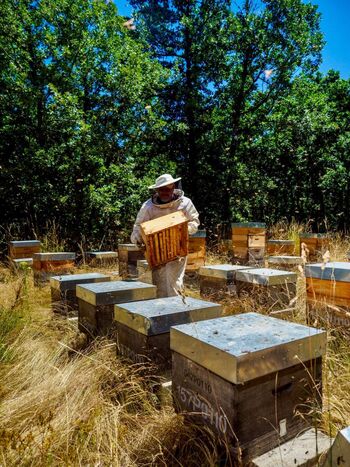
167 199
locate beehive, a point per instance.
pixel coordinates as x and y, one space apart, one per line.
19 261
96 303
144 273
317 244
328 292
23 248
128 255
219 280
248 241
285 262
63 290
102 258
166 238
339 453
280 247
47 265
246 376
196 251
271 287
143 328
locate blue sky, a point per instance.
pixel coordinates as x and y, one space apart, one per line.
335 25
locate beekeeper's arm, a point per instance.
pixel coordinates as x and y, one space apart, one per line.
193 217
142 216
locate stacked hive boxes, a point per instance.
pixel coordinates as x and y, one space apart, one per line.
128 255
247 376
317 244
328 292
47 265
248 241
22 251
143 327
96 303
196 250
219 280
271 287
63 290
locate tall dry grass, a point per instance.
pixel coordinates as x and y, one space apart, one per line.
63 406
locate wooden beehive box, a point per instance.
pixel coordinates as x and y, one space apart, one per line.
96 303
102 258
219 280
143 328
47 265
316 243
63 290
248 241
280 247
270 287
196 250
128 255
328 292
24 248
247 376
166 238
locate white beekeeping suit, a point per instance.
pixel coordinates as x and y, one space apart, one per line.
169 277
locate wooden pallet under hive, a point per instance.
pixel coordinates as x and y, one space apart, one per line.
165 238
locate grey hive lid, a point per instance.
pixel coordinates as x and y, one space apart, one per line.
244 347
285 259
128 247
223 271
338 271
266 276
260 225
312 235
110 293
69 281
24 243
281 242
54 256
153 317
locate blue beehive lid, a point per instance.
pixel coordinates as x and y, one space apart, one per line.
338 271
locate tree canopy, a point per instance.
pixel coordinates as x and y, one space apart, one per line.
94 106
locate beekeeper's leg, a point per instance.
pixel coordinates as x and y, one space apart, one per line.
169 278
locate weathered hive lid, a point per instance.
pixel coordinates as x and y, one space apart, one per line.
109 293
244 347
285 259
54 256
24 243
265 276
223 271
312 235
199 234
128 247
157 316
260 225
23 260
102 254
281 242
336 271
68 282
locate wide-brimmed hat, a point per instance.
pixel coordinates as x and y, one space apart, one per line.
164 180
